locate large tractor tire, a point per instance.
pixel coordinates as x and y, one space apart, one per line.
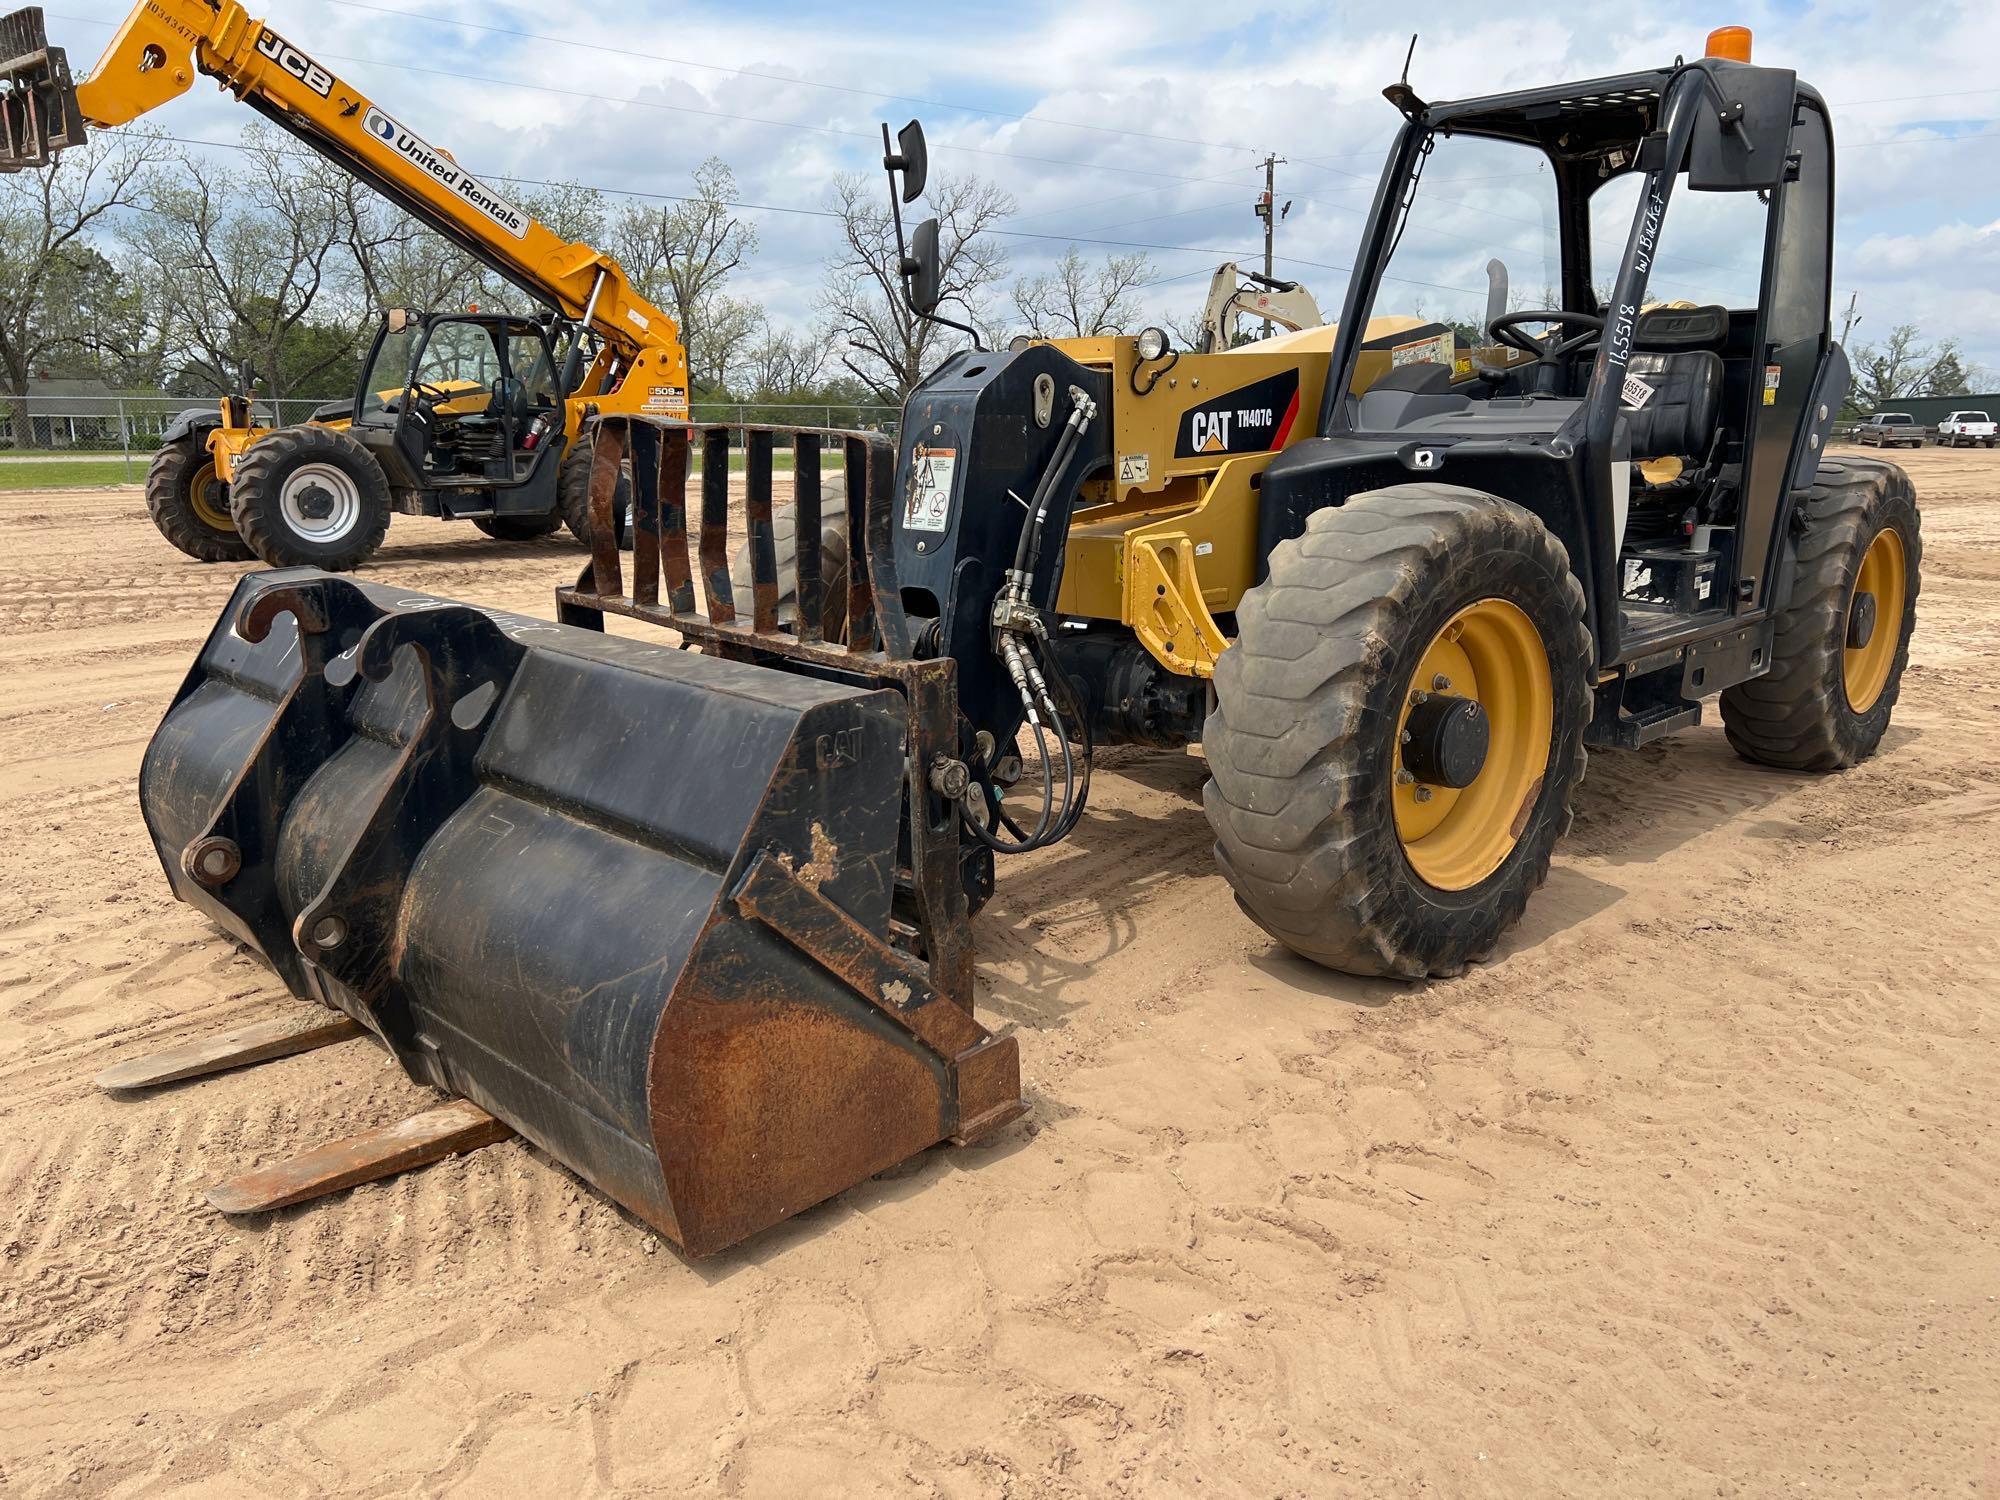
1398 730
573 494
1843 636
785 544
519 528
189 503
311 497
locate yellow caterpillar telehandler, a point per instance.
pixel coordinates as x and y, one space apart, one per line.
700 923
459 414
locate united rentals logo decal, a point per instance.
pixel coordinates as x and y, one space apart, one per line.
446 172
1257 418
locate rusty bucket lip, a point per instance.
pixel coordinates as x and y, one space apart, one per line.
890 1009
947 1077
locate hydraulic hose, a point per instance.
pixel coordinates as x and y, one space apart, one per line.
1038 677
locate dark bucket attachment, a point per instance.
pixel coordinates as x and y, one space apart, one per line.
39 117
633 901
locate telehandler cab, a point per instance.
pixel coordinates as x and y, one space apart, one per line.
461 415
699 922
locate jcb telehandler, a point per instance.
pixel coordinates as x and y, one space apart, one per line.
699 923
460 414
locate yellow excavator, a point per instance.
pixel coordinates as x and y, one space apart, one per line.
461 414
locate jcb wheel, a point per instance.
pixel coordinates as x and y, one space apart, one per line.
1843 637
519 528
573 494
311 497
190 504
785 544
1398 730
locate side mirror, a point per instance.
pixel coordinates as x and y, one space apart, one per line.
1496 293
396 319
1743 130
911 157
923 269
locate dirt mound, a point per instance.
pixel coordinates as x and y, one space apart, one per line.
1691 1190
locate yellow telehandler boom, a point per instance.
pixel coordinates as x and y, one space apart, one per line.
165 43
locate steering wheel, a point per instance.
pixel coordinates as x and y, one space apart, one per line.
433 394
1506 329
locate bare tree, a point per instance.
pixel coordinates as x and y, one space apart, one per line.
397 261
722 330
47 219
1187 328
889 346
680 255
570 209
1902 366
1079 300
785 362
247 256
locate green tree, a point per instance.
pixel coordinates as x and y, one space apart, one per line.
48 220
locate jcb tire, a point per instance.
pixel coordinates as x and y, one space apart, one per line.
1305 741
785 544
311 497
519 528
190 505
573 494
1824 704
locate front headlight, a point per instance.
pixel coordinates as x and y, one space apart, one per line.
1153 344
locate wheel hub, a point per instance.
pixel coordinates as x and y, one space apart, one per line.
321 502
1445 741
1875 611
1472 744
210 497
1861 622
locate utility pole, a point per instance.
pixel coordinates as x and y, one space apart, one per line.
1853 317
1270 214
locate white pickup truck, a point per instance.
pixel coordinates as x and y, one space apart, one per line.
1967 429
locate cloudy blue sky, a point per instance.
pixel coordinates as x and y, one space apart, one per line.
1139 123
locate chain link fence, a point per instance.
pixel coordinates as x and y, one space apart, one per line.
50 439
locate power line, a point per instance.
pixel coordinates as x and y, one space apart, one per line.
837 88
714 114
771 208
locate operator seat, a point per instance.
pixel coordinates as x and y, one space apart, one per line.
1674 358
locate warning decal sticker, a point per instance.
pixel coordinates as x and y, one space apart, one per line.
929 507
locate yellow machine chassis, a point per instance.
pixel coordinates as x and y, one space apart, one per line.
1166 543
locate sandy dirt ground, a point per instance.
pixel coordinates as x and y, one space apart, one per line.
1692 1191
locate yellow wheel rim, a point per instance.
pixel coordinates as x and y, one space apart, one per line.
210 498
1491 653
1883 574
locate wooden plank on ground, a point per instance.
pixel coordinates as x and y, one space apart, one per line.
374 1154
229 1049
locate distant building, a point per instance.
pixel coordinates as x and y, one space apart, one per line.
87 415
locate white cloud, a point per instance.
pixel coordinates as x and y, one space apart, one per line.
1302 80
